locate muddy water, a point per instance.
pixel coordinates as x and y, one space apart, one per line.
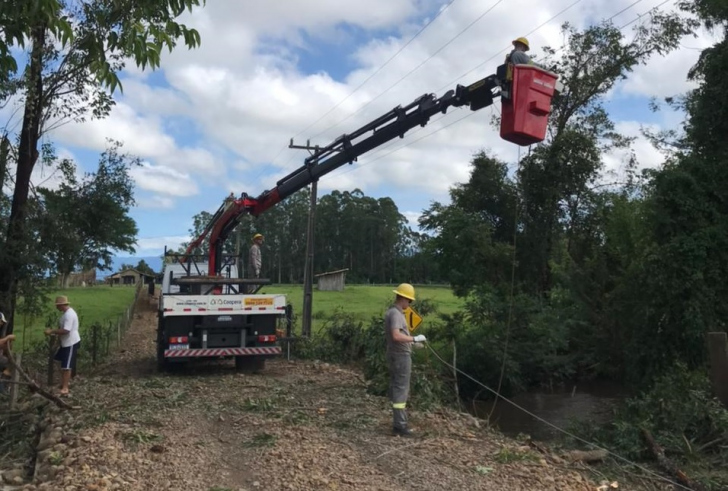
591 402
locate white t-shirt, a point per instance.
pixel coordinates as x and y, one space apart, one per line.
69 322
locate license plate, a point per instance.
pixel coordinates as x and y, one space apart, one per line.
179 346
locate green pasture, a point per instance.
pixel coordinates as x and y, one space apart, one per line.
363 301
100 304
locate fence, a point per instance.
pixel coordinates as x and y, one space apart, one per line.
98 341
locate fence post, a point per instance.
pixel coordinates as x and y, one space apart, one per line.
15 379
718 346
49 373
94 342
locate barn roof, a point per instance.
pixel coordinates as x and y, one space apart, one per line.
331 273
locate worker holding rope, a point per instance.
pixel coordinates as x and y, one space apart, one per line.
399 356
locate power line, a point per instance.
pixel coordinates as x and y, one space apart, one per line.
540 26
462 31
422 29
381 156
552 425
415 36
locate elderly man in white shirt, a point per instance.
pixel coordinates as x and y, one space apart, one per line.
70 341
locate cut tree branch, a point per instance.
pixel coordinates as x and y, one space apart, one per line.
34 387
668 465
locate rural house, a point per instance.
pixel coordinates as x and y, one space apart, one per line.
128 277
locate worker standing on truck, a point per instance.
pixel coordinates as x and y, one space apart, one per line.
255 260
70 341
399 356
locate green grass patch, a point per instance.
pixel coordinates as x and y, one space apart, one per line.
102 304
363 301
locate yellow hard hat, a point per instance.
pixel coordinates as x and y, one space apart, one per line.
405 290
257 236
523 41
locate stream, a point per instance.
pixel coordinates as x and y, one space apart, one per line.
592 402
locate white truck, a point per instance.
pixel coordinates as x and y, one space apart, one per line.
204 317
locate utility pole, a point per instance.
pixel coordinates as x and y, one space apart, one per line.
308 268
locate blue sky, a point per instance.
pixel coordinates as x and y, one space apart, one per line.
218 119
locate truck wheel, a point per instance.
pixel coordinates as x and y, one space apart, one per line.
162 364
249 364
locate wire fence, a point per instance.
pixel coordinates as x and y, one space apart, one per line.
98 341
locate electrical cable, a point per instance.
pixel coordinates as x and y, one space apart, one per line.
552 425
442 10
462 31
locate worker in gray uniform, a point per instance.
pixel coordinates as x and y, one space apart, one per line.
255 261
399 356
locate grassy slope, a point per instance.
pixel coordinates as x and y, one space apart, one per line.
97 304
362 300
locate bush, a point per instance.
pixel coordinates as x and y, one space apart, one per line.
344 339
680 412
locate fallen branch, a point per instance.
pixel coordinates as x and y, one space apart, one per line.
668 465
34 387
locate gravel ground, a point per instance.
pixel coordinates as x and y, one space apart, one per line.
295 425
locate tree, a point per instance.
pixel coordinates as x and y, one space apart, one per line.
682 270
143 267
88 221
76 52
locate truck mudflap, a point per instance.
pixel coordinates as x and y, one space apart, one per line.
201 352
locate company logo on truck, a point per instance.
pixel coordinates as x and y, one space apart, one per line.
225 301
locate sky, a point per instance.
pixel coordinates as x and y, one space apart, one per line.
218 119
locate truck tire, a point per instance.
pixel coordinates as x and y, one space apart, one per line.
249 364
162 364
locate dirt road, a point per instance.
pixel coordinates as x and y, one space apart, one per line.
299 425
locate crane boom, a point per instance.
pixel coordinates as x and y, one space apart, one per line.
534 97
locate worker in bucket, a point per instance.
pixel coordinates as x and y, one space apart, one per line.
518 56
399 356
255 260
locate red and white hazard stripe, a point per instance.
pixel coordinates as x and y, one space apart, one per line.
184 353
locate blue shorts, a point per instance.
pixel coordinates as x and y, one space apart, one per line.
67 356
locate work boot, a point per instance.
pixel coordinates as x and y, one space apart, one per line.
404 432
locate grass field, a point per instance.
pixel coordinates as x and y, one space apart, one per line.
363 301
96 304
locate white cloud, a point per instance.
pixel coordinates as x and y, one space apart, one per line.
646 155
153 245
163 180
156 202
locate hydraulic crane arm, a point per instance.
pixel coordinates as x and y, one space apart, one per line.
348 147
345 149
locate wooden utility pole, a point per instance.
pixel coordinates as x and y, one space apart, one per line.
238 255
308 271
718 346
308 268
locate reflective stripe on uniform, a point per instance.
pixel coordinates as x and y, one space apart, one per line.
399 405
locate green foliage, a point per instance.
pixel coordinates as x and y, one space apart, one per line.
344 339
368 236
85 222
681 414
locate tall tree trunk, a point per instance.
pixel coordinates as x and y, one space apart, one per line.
14 249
